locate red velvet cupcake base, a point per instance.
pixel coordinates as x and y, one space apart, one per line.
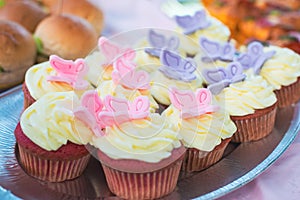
197 160
149 185
288 95
50 169
254 126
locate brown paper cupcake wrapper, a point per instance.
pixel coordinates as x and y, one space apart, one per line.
51 170
143 185
256 126
288 95
197 160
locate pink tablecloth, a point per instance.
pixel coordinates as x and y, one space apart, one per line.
282 179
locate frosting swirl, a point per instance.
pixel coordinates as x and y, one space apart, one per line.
147 140
50 122
161 84
245 97
203 132
38 85
282 69
110 88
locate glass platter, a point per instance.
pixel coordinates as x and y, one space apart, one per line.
240 164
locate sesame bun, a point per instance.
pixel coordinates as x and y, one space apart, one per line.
81 8
67 36
17 53
27 13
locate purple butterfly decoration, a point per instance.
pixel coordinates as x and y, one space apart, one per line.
255 57
220 78
216 50
159 42
191 24
175 67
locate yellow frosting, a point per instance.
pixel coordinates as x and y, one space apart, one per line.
110 88
282 69
97 73
147 62
149 140
38 85
203 132
217 31
161 84
50 122
245 97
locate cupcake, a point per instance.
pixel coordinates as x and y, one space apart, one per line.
55 75
200 24
174 71
141 156
250 101
51 143
205 129
278 66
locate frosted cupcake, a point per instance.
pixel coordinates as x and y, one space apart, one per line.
175 71
206 130
55 75
280 67
250 101
50 140
197 25
136 149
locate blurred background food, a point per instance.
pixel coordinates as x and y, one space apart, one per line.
273 21
39 28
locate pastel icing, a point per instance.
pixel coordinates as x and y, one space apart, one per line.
175 67
282 69
201 124
192 23
68 71
36 79
243 98
192 104
216 50
161 84
159 41
148 139
219 78
50 121
125 74
255 57
117 90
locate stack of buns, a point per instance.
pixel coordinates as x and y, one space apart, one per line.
32 30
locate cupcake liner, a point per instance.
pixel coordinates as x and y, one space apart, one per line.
254 126
51 170
28 99
197 160
288 95
148 185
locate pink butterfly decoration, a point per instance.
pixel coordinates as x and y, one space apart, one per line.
125 74
192 104
91 107
69 72
119 110
112 51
